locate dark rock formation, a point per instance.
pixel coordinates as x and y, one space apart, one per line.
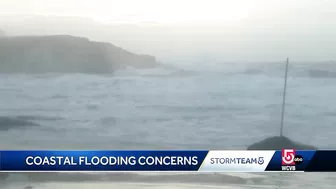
321 73
278 143
7 123
60 53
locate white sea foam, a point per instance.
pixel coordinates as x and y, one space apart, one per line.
167 109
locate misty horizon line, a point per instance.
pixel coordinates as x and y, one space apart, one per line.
111 22
204 58
248 43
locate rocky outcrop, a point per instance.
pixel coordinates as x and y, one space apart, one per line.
278 143
7 123
61 53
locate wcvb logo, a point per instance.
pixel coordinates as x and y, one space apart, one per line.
288 156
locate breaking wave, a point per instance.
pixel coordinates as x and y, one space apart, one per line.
275 69
310 73
156 72
192 178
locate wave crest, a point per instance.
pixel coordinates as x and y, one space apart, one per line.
195 178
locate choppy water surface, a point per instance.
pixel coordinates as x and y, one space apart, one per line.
161 108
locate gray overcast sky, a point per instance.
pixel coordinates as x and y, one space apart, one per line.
232 29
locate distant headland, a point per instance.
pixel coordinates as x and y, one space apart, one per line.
64 53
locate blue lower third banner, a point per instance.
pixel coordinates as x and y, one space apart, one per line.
168 160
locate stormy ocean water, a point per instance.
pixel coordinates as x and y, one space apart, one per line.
226 107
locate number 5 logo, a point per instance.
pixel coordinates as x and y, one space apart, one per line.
288 156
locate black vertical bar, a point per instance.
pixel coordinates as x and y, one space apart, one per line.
284 99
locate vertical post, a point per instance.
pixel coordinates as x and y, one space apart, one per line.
284 99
